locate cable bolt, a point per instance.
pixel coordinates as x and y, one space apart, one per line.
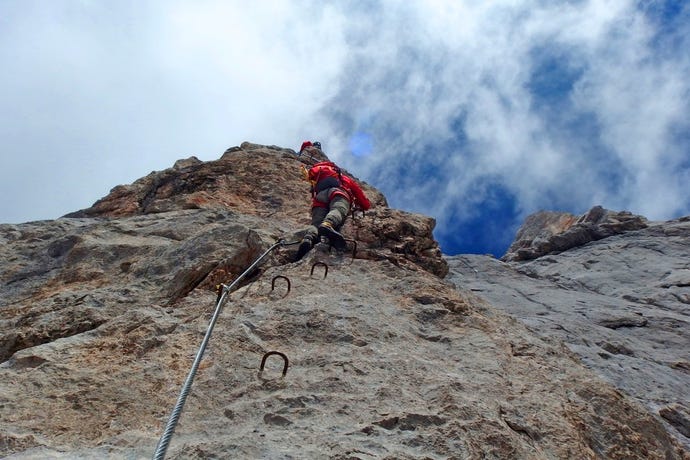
325 274
273 283
282 355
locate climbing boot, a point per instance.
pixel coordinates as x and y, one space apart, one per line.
304 247
336 239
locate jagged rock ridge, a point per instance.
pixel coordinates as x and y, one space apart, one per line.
549 232
103 311
266 182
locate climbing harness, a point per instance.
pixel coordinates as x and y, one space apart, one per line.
353 213
164 441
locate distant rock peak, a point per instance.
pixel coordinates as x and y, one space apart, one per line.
549 232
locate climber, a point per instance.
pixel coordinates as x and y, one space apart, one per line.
333 195
306 144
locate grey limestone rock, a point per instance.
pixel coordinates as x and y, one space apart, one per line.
621 303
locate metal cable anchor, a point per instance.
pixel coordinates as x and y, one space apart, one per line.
273 283
282 355
354 247
325 274
355 211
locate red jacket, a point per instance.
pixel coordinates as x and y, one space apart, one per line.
325 175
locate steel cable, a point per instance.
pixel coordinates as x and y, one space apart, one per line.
164 441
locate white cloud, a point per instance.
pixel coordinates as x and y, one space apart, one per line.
483 68
102 93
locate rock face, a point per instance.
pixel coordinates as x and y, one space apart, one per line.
621 303
104 310
265 182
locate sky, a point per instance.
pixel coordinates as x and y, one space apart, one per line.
475 112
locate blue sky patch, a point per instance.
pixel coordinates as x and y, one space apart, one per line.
553 76
361 144
490 228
